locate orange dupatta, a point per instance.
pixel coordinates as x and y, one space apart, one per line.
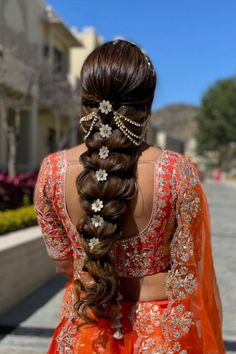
193 322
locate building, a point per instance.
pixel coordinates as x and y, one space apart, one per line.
40 62
90 40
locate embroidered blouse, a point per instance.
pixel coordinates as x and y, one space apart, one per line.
143 254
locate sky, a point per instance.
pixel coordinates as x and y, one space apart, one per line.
192 43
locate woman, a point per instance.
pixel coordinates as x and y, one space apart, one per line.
129 223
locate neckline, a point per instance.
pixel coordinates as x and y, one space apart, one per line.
155 183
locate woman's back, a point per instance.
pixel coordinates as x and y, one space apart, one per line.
139 208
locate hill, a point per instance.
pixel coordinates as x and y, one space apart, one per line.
178 120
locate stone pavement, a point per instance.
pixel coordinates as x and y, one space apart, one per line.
28 328
222 203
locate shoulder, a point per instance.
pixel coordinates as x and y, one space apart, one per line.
53 161
180 167
187 173
183 164
170 161
74 153
49 168
188 170
149 153
171 156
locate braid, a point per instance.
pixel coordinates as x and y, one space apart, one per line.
114 192
117 90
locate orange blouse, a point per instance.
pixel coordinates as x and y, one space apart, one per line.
192 321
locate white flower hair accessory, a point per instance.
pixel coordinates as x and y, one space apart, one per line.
97 205
105 131
101 175
93 242
103 152
123 123
97 220
105 107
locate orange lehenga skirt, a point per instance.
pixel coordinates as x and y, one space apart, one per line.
141 322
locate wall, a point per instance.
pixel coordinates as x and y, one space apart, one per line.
24 266
90 41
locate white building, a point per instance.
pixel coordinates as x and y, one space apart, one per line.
40 62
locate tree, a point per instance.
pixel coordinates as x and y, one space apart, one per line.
217 121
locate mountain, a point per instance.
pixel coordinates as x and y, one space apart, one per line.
178 120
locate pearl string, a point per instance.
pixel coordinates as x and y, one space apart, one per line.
95 118
129 120
134 138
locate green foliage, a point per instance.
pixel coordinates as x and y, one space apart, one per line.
12 220
217 118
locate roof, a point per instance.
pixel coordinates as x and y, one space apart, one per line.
52 19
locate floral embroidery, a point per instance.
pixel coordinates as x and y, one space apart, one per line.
145 317
178 323
66 338
181 281
57 242
67 309
183 245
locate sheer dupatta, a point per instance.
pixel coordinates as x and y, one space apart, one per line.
193 320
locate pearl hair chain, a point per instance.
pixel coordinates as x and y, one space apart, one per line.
105 107
134 138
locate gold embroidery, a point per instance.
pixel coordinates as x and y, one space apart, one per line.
181 281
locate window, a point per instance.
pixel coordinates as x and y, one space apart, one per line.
58 65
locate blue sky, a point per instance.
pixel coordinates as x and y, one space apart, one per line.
191 43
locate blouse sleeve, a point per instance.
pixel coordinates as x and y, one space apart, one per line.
193 321
57 242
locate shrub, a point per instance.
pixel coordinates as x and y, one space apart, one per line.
12 220
14 192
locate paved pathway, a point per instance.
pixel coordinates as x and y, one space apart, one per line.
222 202
27 329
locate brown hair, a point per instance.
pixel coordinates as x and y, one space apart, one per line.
122 74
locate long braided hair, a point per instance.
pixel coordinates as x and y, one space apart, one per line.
122 74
